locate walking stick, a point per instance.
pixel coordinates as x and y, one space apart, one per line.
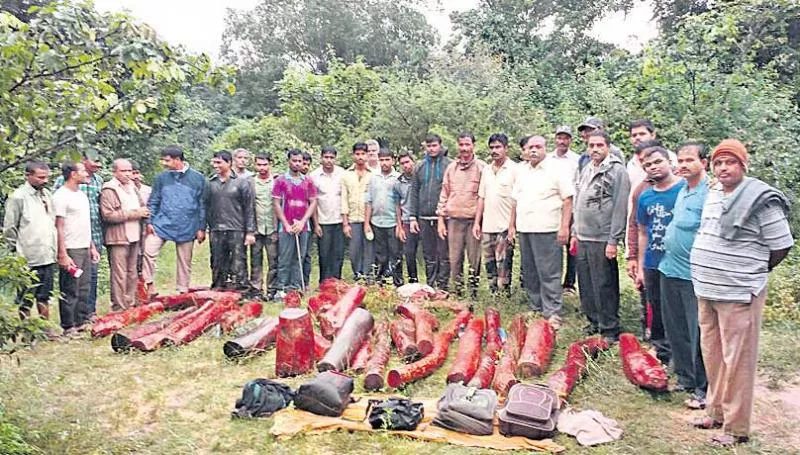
300 262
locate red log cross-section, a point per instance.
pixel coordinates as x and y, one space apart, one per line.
254 341
504 376
468 355
373 380
538 349
640 366
430 363
483 377
294 348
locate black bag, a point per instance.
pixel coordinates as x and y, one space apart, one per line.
262 398
531 411
467 409
395 414
327 394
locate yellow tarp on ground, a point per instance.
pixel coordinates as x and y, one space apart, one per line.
290 421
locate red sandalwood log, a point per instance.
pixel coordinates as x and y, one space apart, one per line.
468 355
238 316
640 366
293 299
201 323
334 286
348 341
121 341
483 377
404 338
504 376
196 297
361 357
153 341
538 349
321 346
294 352
332 320
322 302
424 325
430 363
111 322
254 341
373 380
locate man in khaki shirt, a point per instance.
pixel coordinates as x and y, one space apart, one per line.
355 185
494 214
458 203
541 213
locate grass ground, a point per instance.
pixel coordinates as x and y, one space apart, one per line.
79 397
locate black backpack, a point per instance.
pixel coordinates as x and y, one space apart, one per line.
395 414
326 395
262 398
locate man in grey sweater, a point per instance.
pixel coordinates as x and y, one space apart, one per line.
600 214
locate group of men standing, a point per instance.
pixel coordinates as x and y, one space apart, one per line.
698 250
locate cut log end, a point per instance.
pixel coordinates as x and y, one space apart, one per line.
233 350
394 379
120 343
373 382
455 377
425 347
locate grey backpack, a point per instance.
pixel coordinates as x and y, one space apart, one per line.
467 409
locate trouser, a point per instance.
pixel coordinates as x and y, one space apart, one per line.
729 339
122 268
40 288
72 305
387 255
679 313
264 243
91 297
658 336
290 270
228 268
410 254
435 253
598 280
644 310
543 257
183 261
499 256
330 251
461 240
361 252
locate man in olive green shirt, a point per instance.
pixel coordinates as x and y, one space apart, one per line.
29 229
266 229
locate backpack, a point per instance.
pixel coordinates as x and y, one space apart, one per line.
262 398
531 411
467 409
328 394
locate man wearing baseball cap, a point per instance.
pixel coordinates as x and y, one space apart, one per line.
743 234
590 125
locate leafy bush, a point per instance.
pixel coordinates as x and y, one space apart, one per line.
783 292
11 440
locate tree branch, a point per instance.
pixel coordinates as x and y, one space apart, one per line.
30 156
25 80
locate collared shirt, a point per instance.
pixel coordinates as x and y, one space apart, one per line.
570 161
540 193
29 225
682 230
245 174
329 194
495 189
735 270
265 215
459 196
401 192
295 194
92 190
380 197
354 190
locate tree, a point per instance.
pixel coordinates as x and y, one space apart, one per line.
276 34
71 78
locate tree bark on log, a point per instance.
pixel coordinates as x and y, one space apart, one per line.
348 341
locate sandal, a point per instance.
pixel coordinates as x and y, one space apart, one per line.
706 423
728 440
695 403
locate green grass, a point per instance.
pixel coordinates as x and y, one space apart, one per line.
80 397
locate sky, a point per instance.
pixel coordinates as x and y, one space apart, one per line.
198 24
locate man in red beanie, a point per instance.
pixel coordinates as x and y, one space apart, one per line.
744 234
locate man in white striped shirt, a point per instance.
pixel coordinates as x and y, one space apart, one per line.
743 234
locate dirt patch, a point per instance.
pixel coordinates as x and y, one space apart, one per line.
777 412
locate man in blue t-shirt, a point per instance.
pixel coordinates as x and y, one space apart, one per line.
653 215
678 299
